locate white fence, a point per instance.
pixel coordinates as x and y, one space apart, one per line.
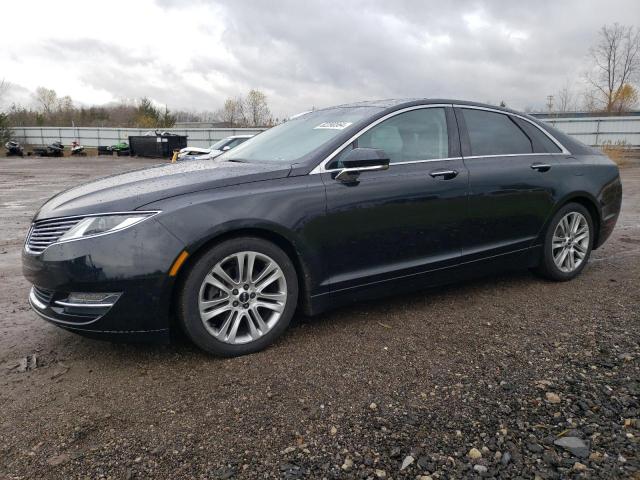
596 131
593 131
105 136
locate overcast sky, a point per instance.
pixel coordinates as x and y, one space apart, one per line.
193 54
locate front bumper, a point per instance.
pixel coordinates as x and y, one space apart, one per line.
131 265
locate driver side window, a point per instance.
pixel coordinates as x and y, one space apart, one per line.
411 136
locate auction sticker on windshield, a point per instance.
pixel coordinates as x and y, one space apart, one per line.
333 125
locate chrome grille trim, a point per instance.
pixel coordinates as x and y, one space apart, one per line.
43 295
45 232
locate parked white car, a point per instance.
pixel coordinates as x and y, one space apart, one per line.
215 150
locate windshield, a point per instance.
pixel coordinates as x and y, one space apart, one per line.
299 136
219 144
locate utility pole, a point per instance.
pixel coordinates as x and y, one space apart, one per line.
550 103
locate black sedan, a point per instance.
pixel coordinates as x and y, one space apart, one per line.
334 206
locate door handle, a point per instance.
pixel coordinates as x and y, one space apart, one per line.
444 174
541 167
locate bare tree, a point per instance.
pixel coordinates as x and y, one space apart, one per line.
46 98
65 103
550 103
232 112
188 116
257 111
589 101
252 111
566 99
616 62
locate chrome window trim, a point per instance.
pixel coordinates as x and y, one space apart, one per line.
320 168
564 151
152 213
409 162
514 155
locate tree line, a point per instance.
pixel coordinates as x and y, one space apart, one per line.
49 109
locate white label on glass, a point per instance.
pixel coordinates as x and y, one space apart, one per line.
333 126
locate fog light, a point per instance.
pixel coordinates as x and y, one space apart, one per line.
89 299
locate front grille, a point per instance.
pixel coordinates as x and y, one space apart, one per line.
45 232
43 295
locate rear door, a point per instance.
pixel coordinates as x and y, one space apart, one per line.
405 220
511 181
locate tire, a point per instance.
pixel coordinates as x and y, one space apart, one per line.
557 256
249 319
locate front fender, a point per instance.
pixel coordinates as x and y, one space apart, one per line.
200 218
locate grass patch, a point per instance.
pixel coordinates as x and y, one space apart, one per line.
619 152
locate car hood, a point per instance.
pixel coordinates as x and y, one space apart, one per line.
210 154
195 150
131 190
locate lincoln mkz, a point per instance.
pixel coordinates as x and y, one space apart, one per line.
333 206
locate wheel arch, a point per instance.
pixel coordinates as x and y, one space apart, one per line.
269 234
586 200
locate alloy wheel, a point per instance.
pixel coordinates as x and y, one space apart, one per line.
570 242
242 297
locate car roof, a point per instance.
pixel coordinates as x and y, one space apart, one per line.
399 103
240 136
391 105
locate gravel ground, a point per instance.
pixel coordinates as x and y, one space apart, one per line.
508 376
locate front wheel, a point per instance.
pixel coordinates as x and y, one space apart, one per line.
568 243
238 297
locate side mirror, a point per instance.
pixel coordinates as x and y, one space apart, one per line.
362 160
225 148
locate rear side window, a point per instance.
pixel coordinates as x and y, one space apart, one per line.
541 142
493 133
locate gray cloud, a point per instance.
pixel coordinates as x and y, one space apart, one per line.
328 52
332 51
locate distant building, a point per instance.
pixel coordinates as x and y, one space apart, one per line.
204 125
634 113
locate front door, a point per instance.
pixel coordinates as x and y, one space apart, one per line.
405 220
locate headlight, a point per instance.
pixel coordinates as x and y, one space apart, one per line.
91 226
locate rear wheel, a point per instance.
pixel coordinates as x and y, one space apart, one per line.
238 297
568 243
